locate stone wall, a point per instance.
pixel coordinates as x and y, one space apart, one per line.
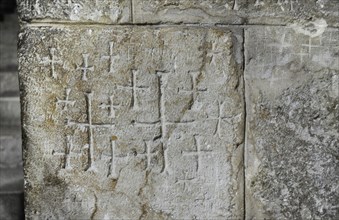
138 109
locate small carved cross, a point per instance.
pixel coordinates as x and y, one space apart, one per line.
67 154
194 90
84 68
111 57
66 102
134 87
198 152
52 60
111 107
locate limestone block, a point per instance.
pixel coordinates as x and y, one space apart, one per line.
103 11
292 135
132 122
235 11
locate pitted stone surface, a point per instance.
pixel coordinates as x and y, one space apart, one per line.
132 122
102 11
235 11
292 137
181 11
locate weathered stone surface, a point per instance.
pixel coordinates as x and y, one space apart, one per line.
292 137
132 122
235 11
103 11
182 11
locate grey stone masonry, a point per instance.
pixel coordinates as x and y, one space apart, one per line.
268 12
292 137
101 11
271 12
135 121
179 109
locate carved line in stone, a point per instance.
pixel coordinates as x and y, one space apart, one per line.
310 46
111 57
235 5
110 106
112 172
148 153
89 126
162 122
198 153
134 87
219 118
66 102
84 68
130 54
67 154
162 82
186 180
52 60
214 53
194 88
282 44
301 55
286 2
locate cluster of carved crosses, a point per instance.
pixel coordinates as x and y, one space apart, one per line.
89 126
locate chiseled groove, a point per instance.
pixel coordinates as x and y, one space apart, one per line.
132 11
49 22
245 123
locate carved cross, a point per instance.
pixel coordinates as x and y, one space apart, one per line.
198 152
111 107
194 90
84 68
52 60
89 126
67 154
66 102
111 57
134 87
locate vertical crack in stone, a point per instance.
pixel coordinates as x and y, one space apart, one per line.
132 11
245 122
95 206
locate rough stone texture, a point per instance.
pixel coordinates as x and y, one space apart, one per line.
235 11
132 122
182 11
292 137
103 11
